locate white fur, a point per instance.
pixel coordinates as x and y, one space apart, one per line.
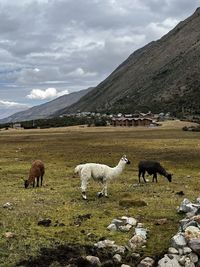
99 172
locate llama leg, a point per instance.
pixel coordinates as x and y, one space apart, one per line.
143 173
84 183
104 190
139 174
38 181
41 179
34 183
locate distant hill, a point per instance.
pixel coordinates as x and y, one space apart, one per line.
162 76
47 109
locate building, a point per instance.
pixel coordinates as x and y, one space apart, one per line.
128 122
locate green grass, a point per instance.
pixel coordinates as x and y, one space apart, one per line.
59 198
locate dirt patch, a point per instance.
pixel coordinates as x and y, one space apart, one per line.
132 203
74 255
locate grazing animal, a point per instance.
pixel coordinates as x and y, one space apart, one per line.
37 171
152 167
99 172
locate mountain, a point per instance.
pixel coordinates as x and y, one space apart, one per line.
47 109
164 76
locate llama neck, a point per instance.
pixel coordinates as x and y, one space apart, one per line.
119 168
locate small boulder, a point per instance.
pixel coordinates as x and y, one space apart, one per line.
9 235
147 262
94 261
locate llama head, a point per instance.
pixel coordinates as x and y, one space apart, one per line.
125 159
169 177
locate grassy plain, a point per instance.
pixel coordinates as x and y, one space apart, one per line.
59 199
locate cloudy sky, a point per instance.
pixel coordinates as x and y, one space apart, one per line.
52 47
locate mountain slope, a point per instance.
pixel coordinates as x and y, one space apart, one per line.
47 109
162 76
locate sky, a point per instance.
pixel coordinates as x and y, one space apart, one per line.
49 48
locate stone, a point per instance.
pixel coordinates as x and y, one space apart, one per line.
93 260
161 221
172 250
167 262
182 260
186 206
125 265
9 235
112 227
187 250
117 222
136 241
125 228
190 223
194 244
131 221
188 262
117 258
178 241
192 232
141 231
8 206
147 262
193 257
196 218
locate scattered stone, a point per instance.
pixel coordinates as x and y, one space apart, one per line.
125 265
93 260
167 262
112 227
117 258
194 244
188 262
187 250
178 241
130 220
192 232
45 222
125 228
147 262
193 257
141 231
8 206
172 250
9 235
187 206
136 241
110 244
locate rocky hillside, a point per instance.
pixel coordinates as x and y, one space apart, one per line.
162 76
47 109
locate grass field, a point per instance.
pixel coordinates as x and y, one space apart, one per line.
60 200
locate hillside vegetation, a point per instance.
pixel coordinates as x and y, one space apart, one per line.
60 199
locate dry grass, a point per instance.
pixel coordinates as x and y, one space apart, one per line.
62 149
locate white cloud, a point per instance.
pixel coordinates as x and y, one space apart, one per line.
48 93
11 104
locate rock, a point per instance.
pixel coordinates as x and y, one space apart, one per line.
141 231
117 258
178 241
192 232
112 227
125 228
188 262
125 265
131 221
93 260
182 260
118 222
146 262
136 241
180 193
167 262
190 223
9 235
110 244
196 218
193 257
194 244
172 250
187 250
45 222
8 206
186 206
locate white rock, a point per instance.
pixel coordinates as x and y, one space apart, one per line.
178 241
172 250
146 262
167 262
117 258
131 221
112 227
125 228
125 265
93 260
187 250
188 262
193 257
141 231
